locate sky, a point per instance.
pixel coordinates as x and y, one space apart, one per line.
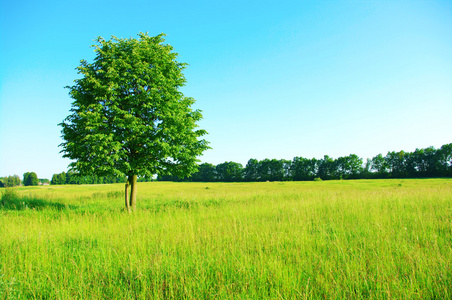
274 79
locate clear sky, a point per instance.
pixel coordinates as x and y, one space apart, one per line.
274 79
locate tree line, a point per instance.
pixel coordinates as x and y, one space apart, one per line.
71 177
29 179
421 163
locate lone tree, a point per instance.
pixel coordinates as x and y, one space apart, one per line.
129 117
30 178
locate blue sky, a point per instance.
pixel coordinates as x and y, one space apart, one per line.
274 79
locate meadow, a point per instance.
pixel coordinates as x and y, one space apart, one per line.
356 239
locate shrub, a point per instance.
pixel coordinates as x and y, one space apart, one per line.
9 196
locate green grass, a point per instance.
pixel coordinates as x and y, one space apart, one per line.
380 239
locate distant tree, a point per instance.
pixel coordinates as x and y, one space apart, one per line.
30 179
279 169
26 175
111 179
58 179
327 168
206 173
426 162
264 170
397 163
348 167
366 171
380 165
129 116
445 160
274 170
121 179
287 169
168 178
11 181
72 177
54 180
15 180
62 178
304 168
251 172
417 163
410 164
229 172
433 161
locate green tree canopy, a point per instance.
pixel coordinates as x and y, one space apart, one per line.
10 181
304 168
30 179
251 172
229 171
129 117
206 173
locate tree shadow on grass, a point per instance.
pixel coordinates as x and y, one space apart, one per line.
10 200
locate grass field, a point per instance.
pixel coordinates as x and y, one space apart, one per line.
379 239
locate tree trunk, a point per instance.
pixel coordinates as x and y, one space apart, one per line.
127 196
133 191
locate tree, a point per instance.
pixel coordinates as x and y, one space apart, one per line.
229 172
327 168
264 170
206 173
58 179
365 172
278 170
251 172
72 177
54 179
397 163
380 165
445 159
349 166
128 115
25 180
433 161
11 181
287 167
304 169
31 179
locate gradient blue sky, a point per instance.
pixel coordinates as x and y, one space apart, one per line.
275 79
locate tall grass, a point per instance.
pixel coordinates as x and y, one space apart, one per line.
382 239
